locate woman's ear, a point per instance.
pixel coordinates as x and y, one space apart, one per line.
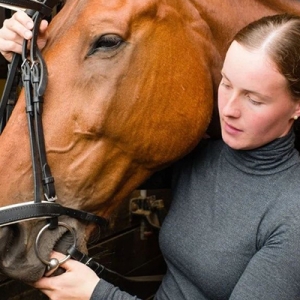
297 110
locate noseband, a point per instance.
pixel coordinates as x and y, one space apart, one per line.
34 79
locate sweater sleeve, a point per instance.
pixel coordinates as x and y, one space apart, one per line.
107 291
274 271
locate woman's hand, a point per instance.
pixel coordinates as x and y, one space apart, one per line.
77 283
15 30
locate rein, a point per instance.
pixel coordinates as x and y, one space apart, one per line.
34 79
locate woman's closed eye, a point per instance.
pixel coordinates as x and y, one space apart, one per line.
225 84
253 101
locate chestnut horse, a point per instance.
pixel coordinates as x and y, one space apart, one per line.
131 88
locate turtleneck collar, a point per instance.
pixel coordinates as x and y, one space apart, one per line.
271 158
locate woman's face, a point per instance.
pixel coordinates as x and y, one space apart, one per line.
255 105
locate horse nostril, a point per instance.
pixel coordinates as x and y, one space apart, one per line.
9 235
6 234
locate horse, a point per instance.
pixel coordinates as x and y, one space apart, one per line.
131 89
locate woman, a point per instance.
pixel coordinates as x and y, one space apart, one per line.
233 231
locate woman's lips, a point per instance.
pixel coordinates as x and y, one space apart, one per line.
231 129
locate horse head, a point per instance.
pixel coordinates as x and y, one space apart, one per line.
130 90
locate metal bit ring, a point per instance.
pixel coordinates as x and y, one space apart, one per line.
53 263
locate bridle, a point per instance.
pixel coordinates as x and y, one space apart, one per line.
33 71
34 78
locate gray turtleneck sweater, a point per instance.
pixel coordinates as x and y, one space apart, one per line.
233 230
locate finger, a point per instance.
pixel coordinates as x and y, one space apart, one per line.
10 42
20 23
43 26
7 55
8 38
45 283
22 18
8 48
43 34
59 257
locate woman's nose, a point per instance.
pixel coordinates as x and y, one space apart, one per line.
231 107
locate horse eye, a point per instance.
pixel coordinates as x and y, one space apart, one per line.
106 43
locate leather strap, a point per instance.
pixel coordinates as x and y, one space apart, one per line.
34 76
100 269
30 210
8 88
46 10
90 262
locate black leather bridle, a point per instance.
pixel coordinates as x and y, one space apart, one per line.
33 72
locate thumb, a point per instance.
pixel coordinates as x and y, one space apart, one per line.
43 34
67 265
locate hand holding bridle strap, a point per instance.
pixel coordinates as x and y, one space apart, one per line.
7 103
